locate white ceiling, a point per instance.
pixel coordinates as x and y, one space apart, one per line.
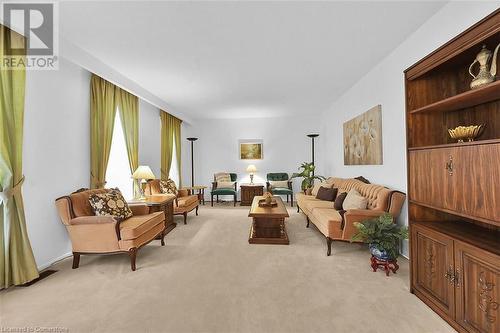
243 59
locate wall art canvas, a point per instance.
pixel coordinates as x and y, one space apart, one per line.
251 149
363 138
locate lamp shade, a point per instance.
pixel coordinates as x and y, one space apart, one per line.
251 168
143 172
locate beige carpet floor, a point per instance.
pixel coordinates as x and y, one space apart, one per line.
209 279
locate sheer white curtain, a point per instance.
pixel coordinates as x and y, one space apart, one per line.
118 171
174 170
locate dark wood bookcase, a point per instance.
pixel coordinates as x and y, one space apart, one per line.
454 188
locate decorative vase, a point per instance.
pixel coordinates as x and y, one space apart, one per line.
377 253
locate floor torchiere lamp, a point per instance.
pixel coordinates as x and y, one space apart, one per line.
312 136
192 140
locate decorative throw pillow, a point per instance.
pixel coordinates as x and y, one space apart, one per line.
318 185
229 185
363 179
339 200
278 183
110 203
168 187
222 177
327 194
354 200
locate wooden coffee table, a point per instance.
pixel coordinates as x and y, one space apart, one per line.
268 225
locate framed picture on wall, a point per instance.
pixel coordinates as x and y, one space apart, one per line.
251 149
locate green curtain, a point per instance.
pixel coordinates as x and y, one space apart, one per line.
177 139
170 131
17 263
128 106
102 120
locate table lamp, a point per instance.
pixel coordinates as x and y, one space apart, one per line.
143 174
251 169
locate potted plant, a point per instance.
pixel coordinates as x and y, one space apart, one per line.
382 235
308 176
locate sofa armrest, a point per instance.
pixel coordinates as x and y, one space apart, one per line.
268 186
290 184
92 220
139 209
214 185
357 215
396 203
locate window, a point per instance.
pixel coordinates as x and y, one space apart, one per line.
118 171
174 170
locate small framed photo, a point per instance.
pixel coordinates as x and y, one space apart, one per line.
251 149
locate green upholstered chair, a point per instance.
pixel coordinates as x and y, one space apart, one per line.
280 176
224 191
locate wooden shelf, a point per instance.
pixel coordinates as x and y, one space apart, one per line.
483 238
457 144
464 100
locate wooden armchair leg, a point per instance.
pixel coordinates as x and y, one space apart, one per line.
185 217
132 254
287 200
329 245
76 260
197 210
298 208
235 200
162 240
291 200
217 199
307 225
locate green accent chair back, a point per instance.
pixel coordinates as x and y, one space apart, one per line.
277 176
224 191
280 176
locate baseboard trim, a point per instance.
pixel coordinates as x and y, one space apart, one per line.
55 260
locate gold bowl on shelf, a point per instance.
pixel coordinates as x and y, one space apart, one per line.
468 133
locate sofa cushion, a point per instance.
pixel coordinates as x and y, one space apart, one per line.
354 200
311 205
278 183
222 177
229 185
110 203
318 185
187 201
327 194
168 187
339 200
328 221
137 225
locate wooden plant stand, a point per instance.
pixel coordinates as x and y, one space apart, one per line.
388 265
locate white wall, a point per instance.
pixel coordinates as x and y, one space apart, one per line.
384 85
56 153
149 136
285 147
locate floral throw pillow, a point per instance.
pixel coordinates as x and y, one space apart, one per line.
110 203
168 187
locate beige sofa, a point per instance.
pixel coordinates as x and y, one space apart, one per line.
91 234
339 225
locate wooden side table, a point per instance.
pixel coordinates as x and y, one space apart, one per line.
157 203
249 191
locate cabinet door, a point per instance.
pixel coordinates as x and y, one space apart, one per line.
477 289
476 175
428 183
431 263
